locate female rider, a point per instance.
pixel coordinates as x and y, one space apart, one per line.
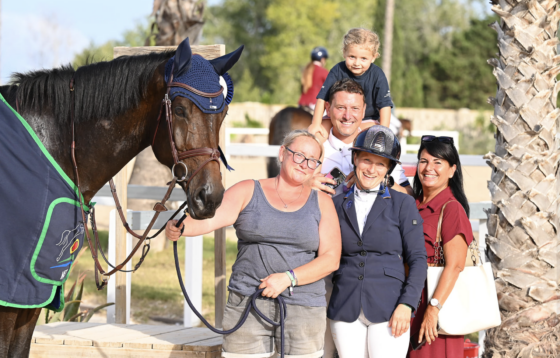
289 237
372 300
312 78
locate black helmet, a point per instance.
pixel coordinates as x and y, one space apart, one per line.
379 140
319 53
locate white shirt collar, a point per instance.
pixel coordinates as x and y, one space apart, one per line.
362 195
337 143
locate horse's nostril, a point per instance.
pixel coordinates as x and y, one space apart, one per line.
202 194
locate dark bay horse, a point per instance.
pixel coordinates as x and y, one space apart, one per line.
283 122
116 106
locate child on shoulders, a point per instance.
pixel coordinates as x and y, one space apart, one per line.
360 50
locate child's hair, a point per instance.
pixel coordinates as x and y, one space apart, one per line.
361 37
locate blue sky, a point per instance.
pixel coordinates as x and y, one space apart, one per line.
42 34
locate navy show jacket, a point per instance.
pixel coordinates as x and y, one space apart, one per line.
371 275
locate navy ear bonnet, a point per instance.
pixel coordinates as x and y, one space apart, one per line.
202 76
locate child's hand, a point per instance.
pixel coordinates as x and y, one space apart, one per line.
318 130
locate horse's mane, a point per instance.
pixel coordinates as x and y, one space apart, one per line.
102 90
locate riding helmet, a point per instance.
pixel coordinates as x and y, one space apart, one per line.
319 53
379 140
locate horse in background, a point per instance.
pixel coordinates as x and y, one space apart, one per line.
116 106
285 121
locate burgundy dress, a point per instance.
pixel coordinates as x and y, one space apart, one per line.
455 221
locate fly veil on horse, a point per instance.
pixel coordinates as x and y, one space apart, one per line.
107 113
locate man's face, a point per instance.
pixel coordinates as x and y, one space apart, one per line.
346 111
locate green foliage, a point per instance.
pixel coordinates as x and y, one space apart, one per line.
440 47
478 138
439 54
104 52
460 76
249 123
278 36
71 311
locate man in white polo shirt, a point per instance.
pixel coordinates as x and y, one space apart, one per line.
346 108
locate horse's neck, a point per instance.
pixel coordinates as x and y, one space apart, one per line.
103 147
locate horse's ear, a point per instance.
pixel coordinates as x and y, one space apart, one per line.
224 63
183 57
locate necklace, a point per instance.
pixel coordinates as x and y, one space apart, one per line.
276 188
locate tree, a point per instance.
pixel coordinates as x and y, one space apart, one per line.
177 20
278 36
421 28
523 240
388 38
458 76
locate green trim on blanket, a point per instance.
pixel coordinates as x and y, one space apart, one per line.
45 152
8 304
42 238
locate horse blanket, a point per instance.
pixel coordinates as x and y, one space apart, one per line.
41 226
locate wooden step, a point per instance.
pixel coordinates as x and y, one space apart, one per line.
92 340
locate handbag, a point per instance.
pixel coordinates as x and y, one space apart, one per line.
472 305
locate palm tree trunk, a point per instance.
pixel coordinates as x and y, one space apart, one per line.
523 241
388 39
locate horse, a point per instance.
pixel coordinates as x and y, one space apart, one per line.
283 122
116 108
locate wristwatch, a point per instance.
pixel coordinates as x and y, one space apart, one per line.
435 302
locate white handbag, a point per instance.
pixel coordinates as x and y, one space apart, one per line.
473 303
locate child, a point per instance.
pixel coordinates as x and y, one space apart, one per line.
360 49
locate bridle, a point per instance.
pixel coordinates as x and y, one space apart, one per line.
214 155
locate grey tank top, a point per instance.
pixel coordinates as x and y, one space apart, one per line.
273 241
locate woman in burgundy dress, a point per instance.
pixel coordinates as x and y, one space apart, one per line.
439 180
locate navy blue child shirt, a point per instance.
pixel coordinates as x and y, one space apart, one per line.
373 81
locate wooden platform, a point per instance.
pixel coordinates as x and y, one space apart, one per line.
93 340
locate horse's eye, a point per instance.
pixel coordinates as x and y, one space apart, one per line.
180 111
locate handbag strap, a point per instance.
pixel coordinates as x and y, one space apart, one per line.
439 257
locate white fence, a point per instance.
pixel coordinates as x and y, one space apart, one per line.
192 270
272 151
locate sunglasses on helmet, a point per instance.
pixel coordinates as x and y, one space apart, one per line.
431 138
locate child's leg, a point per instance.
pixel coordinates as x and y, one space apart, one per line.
366 123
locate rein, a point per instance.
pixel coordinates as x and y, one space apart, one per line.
213 153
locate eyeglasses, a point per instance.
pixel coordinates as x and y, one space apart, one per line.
431 138
299 158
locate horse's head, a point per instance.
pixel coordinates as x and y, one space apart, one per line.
199 91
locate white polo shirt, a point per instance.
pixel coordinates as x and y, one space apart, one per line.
338 154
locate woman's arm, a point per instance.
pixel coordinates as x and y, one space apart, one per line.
328 256
234 201
455 254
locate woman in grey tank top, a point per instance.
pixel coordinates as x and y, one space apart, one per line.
289 239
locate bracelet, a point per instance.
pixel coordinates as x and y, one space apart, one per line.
293 280
295 277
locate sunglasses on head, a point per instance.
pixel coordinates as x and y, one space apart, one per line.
431 138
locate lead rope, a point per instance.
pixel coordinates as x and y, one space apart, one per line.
252 304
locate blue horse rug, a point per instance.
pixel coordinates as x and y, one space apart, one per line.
41 226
